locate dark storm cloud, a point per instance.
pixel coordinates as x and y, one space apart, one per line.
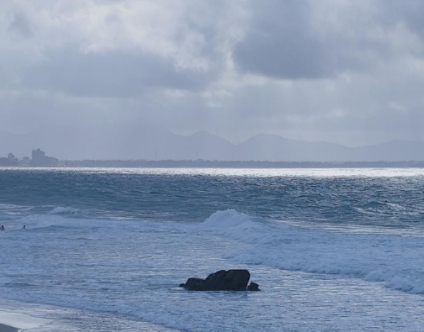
282 41
111 74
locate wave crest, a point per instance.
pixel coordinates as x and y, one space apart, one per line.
389 259
68 211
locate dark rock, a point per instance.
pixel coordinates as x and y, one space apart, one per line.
253 286
195 284
231 280
234 280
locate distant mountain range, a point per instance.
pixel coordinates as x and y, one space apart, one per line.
152 143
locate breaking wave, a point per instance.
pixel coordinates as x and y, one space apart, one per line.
387 258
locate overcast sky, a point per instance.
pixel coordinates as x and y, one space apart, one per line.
345 71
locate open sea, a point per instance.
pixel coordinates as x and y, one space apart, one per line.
105 249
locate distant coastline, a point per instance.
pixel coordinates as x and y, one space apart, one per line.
225 164
159 145
240 164
40 159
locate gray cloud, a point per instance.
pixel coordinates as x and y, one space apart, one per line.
345 71
280 43
408 12
303 40
110 74
20 25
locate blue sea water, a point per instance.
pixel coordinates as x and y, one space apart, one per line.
105 249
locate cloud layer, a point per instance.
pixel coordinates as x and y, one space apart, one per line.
344 71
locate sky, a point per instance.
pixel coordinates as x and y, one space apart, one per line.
343 71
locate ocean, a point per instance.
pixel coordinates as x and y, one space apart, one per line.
105 249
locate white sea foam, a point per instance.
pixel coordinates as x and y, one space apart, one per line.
14 207
395 260
68 211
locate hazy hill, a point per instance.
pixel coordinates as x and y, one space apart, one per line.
390 151
276 148
210 147
151 143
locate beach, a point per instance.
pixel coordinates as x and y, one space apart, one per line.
7 328
19 316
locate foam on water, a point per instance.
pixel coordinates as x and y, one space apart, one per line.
68 211
389 258
395 260
126 273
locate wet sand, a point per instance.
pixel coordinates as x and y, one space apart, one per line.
7 328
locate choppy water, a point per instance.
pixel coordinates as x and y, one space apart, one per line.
332 250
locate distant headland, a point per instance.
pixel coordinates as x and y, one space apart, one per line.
40 159
155 145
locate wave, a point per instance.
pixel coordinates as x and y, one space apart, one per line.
61 217
48 216
395 260
69 211
14 207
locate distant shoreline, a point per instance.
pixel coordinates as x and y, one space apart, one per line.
227 164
